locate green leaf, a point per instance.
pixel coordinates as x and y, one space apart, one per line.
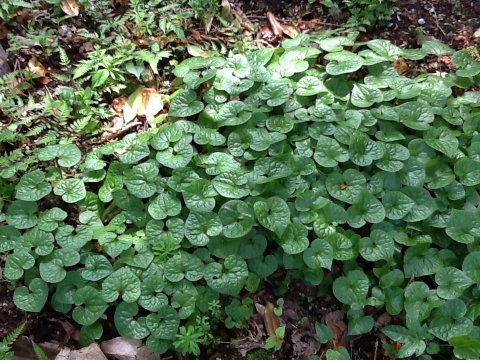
272 214
231 184
126 323
121 282
49 219
68 154
133 149
329 152
33 298
89 305
41 241
71 190
177 156
16 263
442 139
379 246
319 254
22 214
397 205
343 62
415 115
421 261
183 265
152 298
385 48
165 204
32 186
352 289
452 282
366 208
97 267
468 171
360 325
347 186
363 151
164 323
276 93
200 226
324 333
309 86
185 104
294 239
140 180
52 270
471 266
227 278
237 218
364 96
463 226
200 195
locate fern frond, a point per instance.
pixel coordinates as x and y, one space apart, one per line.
39 353
83 68
79 124
14 334
36 130
64 60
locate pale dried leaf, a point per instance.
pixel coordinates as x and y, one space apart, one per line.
133 105
274 24
151 103
70 7
272 322
36 67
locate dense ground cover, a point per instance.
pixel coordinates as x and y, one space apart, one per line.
323 166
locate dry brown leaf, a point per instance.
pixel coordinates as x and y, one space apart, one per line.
274 24
71 330
70 7
400 65
272 322
290 31
118 104
36 67
152 103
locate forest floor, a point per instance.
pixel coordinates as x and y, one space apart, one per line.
456 23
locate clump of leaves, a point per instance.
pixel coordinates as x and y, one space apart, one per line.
289 163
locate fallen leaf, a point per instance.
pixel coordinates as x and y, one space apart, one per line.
400 65
152 103
70 7
274 24
476 34
71 330
133 105
195 50
290 31
272 322
118 104
36 67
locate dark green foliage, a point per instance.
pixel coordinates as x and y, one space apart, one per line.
269 159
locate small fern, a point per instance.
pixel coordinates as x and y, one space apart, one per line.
40 354
6 344
64 60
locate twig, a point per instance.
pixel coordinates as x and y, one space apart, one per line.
434 14
376 350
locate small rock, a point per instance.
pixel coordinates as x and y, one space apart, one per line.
421 21
122 348
92 352
476 34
